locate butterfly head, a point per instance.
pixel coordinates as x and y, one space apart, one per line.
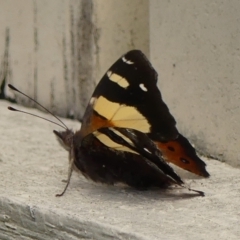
65 138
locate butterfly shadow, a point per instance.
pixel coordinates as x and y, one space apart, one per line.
128 195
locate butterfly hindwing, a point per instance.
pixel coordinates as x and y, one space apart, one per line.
112 155
183 154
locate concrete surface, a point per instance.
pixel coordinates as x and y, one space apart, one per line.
32 165
194 45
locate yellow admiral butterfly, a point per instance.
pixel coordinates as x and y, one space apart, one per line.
128 134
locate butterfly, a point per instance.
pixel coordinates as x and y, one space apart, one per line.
128 134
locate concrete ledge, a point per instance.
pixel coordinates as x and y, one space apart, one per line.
32 166
22 221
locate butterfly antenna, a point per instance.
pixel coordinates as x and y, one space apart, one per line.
13 109
17 110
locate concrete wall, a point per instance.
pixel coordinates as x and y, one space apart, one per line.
195 46
56 51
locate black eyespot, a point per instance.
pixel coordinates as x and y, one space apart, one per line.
171 148
184 160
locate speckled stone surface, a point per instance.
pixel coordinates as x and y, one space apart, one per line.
33 165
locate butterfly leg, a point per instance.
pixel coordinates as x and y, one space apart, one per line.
70 170
201 193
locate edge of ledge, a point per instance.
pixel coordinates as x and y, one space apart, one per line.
33 222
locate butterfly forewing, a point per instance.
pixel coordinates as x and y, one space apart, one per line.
127 96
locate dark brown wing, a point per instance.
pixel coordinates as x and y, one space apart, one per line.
112 155
128 97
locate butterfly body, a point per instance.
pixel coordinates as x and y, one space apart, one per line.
128 134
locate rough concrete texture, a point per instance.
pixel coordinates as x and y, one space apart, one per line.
32 165
194 45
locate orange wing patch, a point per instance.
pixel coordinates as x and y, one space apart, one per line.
181 153
93 123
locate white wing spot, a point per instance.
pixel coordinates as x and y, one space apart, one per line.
142 86
92 100
109 73
146 150
127 61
